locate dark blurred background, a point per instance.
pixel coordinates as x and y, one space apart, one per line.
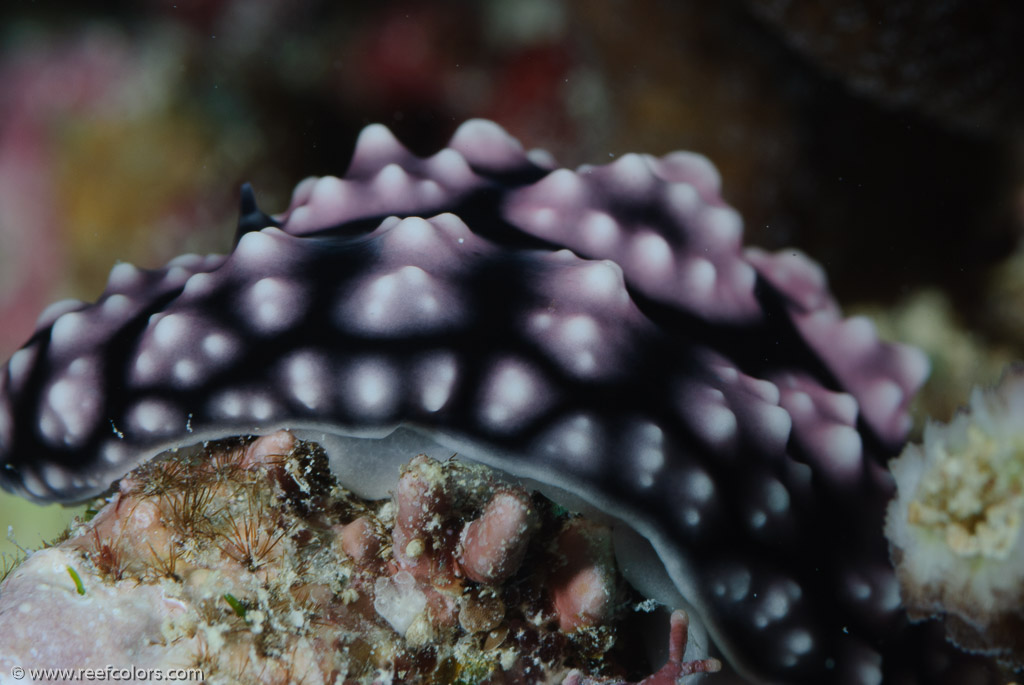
884 138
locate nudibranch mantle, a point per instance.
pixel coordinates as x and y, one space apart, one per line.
602 331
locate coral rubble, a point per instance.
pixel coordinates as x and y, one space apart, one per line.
246 560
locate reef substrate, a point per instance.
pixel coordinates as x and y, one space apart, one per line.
244 558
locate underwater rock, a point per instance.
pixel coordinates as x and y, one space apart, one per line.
956 61
229 559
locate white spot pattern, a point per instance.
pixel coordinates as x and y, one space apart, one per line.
155 417
72 404
437 374
21 364
274 304
369 388
305 374
400 302
513 394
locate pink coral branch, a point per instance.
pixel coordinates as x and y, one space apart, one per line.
674 669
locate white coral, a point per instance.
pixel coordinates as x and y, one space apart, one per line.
955 525
399 601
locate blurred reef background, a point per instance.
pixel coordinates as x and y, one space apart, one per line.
885 139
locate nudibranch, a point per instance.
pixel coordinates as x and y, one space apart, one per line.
601 333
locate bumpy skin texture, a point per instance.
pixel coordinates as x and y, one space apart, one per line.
600 330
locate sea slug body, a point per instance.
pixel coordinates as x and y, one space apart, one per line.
601 333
